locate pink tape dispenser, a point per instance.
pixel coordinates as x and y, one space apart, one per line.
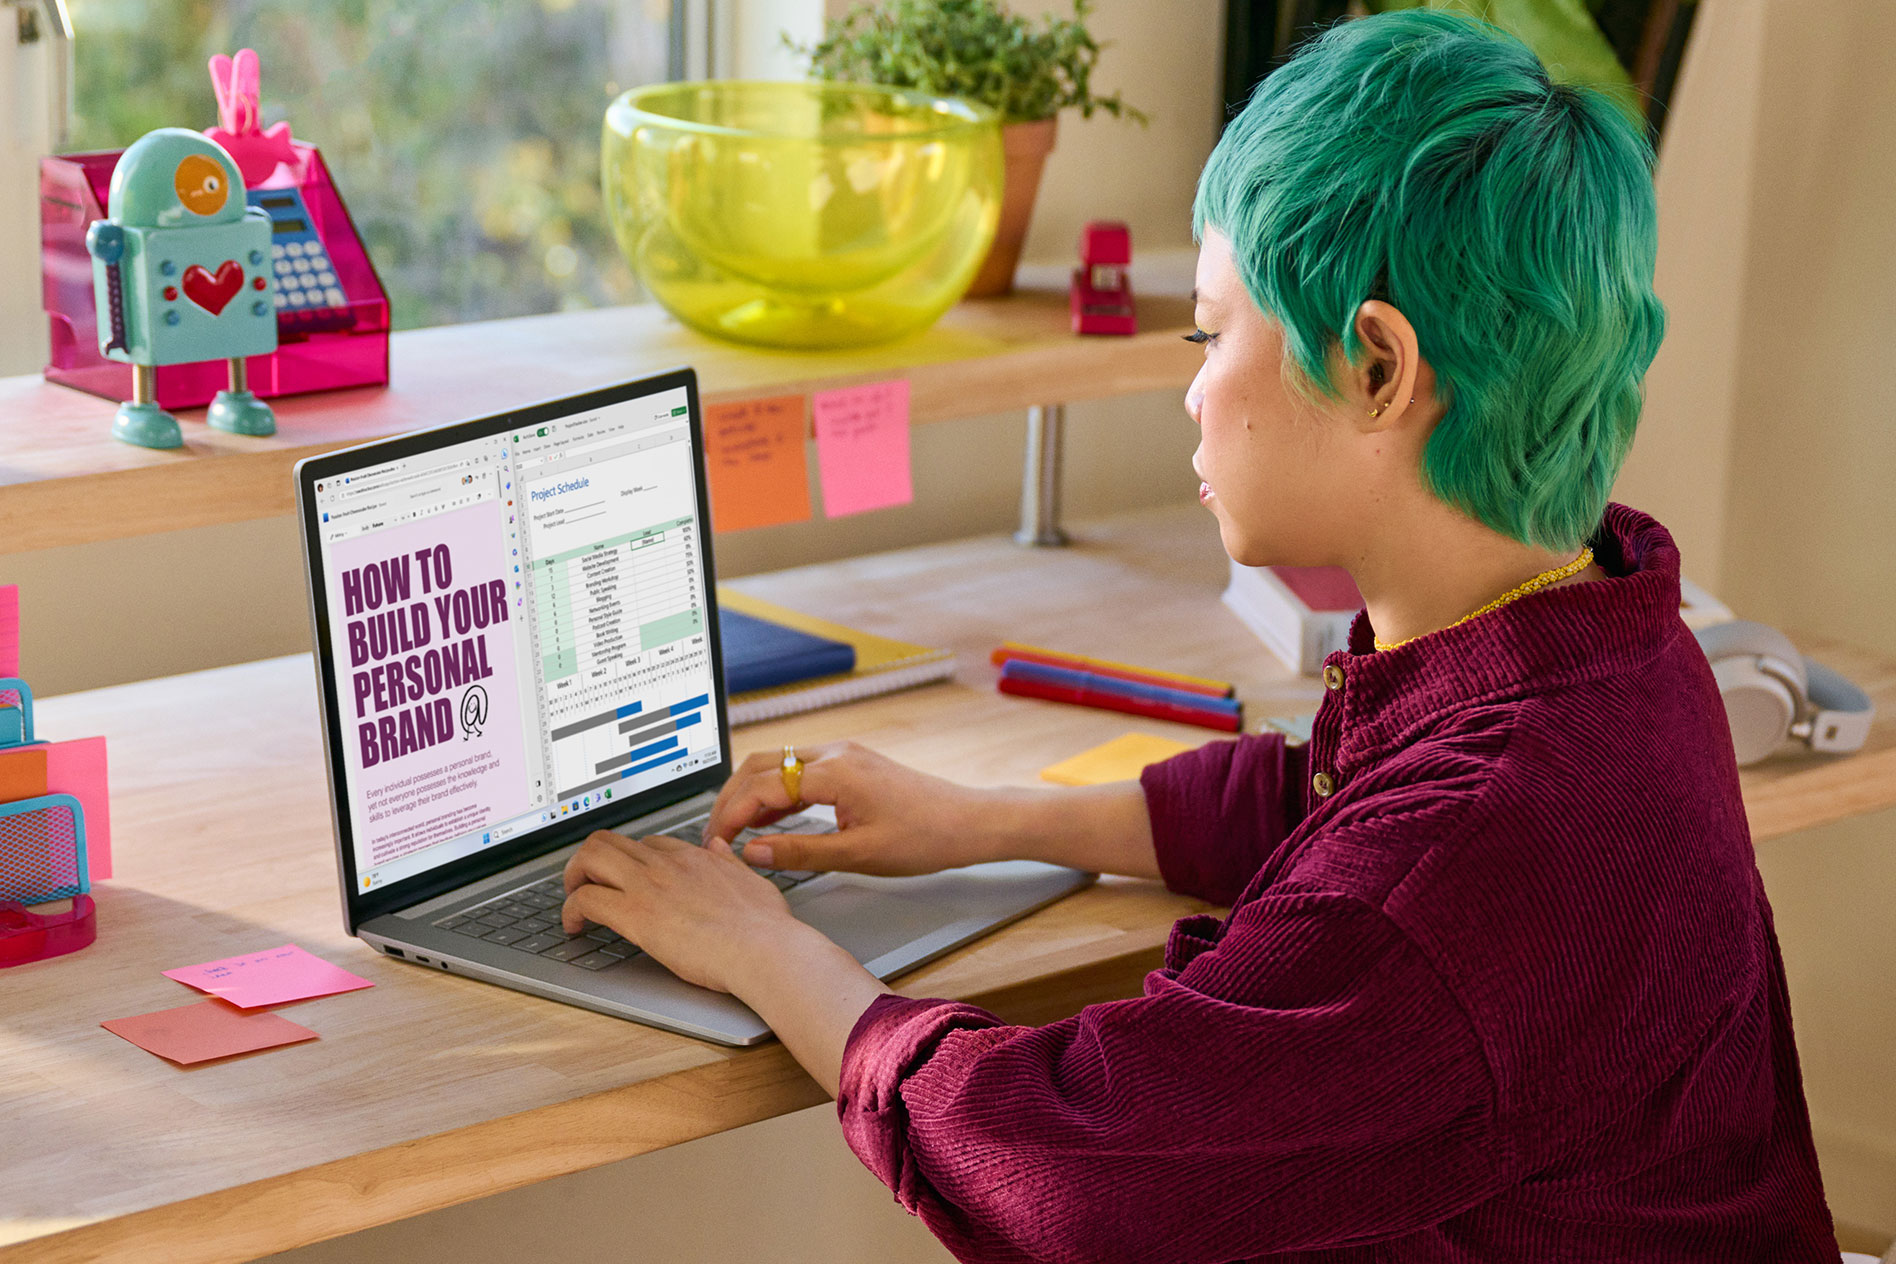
43 862
238 83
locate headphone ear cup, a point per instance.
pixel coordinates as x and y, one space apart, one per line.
1759 707
1761 678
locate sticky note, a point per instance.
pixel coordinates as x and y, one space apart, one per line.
754 456
22 773
206 1030
268 978
77 768
1121 759
862 447
9 629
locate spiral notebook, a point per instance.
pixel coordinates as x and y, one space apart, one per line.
883 665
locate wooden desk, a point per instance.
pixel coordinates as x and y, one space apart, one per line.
431 1089
984 356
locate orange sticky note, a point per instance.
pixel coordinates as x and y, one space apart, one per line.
754 456
862 447
22 773
206 1030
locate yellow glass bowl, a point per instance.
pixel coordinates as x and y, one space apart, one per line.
801 214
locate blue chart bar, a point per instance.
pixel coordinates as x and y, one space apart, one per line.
670 743
666 758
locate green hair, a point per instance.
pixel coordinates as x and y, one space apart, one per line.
1426 159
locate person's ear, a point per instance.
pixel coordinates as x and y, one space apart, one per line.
1385 383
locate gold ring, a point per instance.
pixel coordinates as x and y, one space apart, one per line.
793 776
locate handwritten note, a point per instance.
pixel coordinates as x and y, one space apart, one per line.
754 455
206 1030
9 630
268 978
862 447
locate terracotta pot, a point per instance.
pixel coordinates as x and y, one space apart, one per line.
1026 146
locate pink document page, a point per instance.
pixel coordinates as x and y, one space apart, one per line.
9 629
268 978
78 768
206 1030
862 446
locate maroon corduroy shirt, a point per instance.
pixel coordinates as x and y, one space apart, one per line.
1509 992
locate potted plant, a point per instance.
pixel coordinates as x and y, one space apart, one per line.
976 50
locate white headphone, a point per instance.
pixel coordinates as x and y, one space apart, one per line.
1773 693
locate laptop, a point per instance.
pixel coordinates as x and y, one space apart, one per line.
516 635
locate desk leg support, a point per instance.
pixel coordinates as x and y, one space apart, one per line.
1040 479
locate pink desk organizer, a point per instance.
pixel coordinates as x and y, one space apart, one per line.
75 190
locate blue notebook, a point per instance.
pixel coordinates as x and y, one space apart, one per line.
759 654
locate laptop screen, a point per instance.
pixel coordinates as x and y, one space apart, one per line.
516 628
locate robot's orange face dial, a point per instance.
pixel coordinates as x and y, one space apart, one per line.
201 184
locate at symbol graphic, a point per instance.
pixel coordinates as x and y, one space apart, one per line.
473 711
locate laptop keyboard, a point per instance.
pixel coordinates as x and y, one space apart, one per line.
527 919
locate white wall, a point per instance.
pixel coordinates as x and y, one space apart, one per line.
1768 448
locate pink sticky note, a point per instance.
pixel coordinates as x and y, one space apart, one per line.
9 629
862 446
206 1030
77 768
268 978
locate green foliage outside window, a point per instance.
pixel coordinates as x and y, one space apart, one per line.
463 134
971 49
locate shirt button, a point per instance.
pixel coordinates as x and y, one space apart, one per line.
1332 677
1324 784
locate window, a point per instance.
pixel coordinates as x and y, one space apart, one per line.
463 134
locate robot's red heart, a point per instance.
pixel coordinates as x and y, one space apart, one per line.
212 293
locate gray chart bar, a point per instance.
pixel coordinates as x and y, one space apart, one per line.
592 722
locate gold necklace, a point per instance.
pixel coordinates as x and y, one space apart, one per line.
1535 584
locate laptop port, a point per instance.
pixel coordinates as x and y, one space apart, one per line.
394 952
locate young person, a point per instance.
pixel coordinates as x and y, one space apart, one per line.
1499 981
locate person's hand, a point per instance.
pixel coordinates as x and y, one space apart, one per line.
700 912
891 819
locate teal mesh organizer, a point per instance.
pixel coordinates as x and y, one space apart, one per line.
16 711
42 849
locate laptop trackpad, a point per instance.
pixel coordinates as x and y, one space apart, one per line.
869 923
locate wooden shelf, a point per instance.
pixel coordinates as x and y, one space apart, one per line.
64 480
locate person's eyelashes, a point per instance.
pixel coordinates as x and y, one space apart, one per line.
1199 336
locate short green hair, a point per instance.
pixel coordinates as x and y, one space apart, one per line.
1427 159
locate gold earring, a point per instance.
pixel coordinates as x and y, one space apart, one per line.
1375 410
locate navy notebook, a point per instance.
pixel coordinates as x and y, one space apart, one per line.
759 654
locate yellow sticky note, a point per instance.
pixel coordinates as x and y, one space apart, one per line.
1121 759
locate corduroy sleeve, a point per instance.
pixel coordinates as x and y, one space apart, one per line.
1219 811
1308 1083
